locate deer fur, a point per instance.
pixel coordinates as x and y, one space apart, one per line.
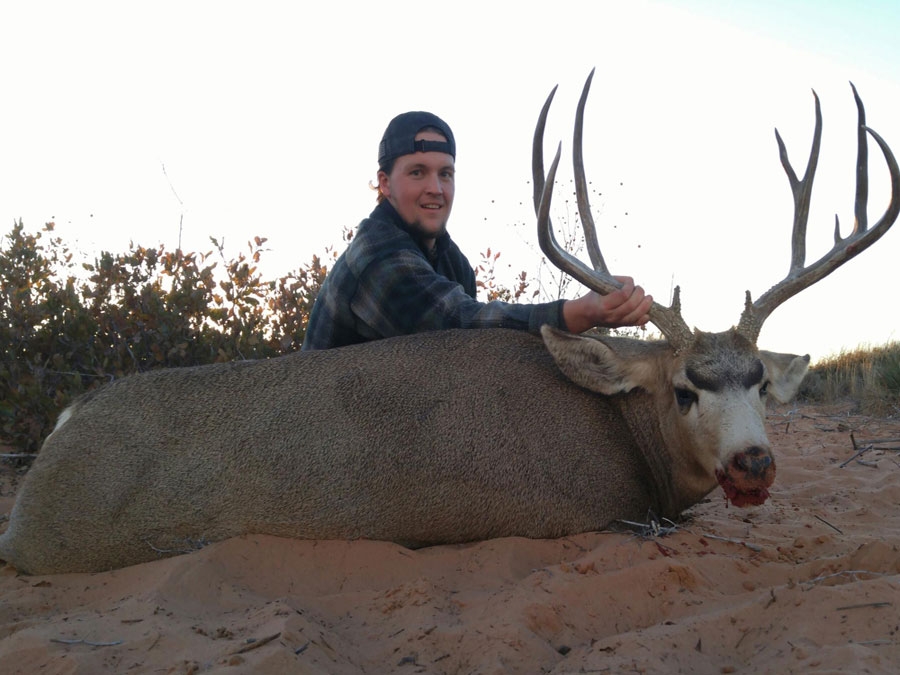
437 438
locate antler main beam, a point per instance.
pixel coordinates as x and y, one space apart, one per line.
667 319
800 277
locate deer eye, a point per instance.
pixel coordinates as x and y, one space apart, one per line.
764 390
685 398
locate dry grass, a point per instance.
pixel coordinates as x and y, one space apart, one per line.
869 376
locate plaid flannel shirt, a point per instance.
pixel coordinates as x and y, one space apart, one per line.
383 285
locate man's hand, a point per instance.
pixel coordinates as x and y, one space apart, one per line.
628 306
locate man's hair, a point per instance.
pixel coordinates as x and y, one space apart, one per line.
400 138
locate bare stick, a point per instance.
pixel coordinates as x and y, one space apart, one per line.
195 546
883 440
86 642
874 642
855 455
753 547
827 523
851 573
258 643
865 604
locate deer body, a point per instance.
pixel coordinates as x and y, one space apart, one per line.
444 437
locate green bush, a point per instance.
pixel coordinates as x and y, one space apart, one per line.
65 328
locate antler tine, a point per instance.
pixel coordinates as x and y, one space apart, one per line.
862 175
668 320
565 261
537 170
537 154
581 192
603 283
800 277
802 189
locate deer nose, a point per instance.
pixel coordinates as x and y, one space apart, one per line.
755 463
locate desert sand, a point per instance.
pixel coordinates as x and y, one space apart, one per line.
807 583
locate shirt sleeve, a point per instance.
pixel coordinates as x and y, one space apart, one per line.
401 294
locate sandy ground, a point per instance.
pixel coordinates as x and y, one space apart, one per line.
807 583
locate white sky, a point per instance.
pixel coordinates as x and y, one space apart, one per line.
267 118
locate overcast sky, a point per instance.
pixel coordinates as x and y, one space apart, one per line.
122 120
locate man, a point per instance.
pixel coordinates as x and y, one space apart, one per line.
403 274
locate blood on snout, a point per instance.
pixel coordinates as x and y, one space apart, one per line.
747 477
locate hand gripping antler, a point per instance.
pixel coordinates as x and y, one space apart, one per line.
800 277
667 319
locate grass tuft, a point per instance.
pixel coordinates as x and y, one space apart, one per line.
868 376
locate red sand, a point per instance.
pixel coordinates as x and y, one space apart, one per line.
806 583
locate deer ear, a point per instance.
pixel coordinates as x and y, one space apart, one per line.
592 364
786 372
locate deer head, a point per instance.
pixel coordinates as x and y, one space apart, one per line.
709 389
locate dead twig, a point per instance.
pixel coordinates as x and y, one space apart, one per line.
858 453
64 641
654 527
849 573
193 546
827 523
863 605
753 547
874 642
876 442
256 644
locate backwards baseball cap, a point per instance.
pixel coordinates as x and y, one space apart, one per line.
400 137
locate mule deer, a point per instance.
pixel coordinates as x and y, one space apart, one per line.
426 439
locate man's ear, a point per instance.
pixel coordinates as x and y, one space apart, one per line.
384 183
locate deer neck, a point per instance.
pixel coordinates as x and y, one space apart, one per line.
649 438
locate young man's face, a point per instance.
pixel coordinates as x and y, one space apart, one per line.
420 187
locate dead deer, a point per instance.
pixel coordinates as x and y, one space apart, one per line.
428 439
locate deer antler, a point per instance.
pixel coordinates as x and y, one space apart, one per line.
667 319
800 277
